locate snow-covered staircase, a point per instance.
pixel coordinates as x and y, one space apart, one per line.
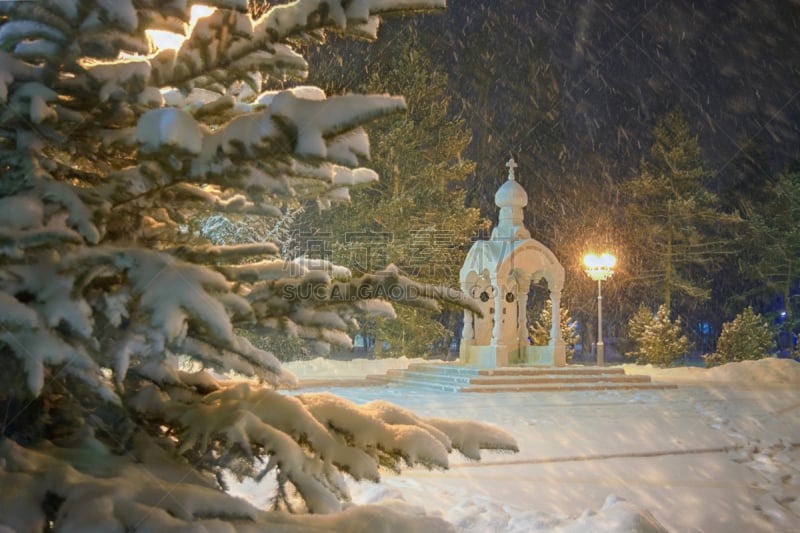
459 378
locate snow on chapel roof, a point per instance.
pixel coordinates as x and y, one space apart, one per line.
511 193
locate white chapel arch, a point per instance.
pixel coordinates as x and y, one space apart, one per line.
498 273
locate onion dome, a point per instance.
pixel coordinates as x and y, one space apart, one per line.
511 194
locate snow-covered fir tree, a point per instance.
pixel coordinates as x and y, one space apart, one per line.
108 148
637 327
746 337
657 339
539 331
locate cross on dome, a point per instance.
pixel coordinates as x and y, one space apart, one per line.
511 166
511 194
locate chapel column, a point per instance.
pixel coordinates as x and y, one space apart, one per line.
559 349
467 331
522 323
497 315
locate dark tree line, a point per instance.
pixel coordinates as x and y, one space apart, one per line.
664 133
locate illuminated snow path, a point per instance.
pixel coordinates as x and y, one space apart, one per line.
705 457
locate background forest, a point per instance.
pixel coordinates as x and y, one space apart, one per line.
666 134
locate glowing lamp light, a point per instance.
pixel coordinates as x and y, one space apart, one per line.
599 268
166 39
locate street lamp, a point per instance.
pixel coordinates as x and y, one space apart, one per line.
599 269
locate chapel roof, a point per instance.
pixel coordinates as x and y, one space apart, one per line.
511 193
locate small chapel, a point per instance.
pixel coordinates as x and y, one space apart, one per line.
496 354
498 274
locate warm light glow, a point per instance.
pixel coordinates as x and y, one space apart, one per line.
166 39
199 12
599 267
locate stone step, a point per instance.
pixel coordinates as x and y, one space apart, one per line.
511 379
551 371
428 384
552 387
528 387
545 378
430 377
457 369
445 368
457 378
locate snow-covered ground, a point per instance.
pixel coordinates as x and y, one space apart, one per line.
719 453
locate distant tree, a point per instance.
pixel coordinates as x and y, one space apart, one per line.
744 184
747 336
414 217
744 187
642 319
658 340
681 231
539 331
773 259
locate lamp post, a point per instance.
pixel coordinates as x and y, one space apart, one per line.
599 269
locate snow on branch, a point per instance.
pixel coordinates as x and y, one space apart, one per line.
467 436
268 424
169 127
394 442
380 7
147 488
209 254
223 203
36 346
271 269
227 43
14 242
214 358
170 292
69 198
390 285
313 121
470 437
309 126
282 21
110 492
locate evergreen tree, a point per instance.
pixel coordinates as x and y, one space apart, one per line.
638 324
424 227
774 249
539 331
659 341
745 185
108 146
681 231
746 337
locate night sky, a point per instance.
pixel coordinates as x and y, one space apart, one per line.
617 66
